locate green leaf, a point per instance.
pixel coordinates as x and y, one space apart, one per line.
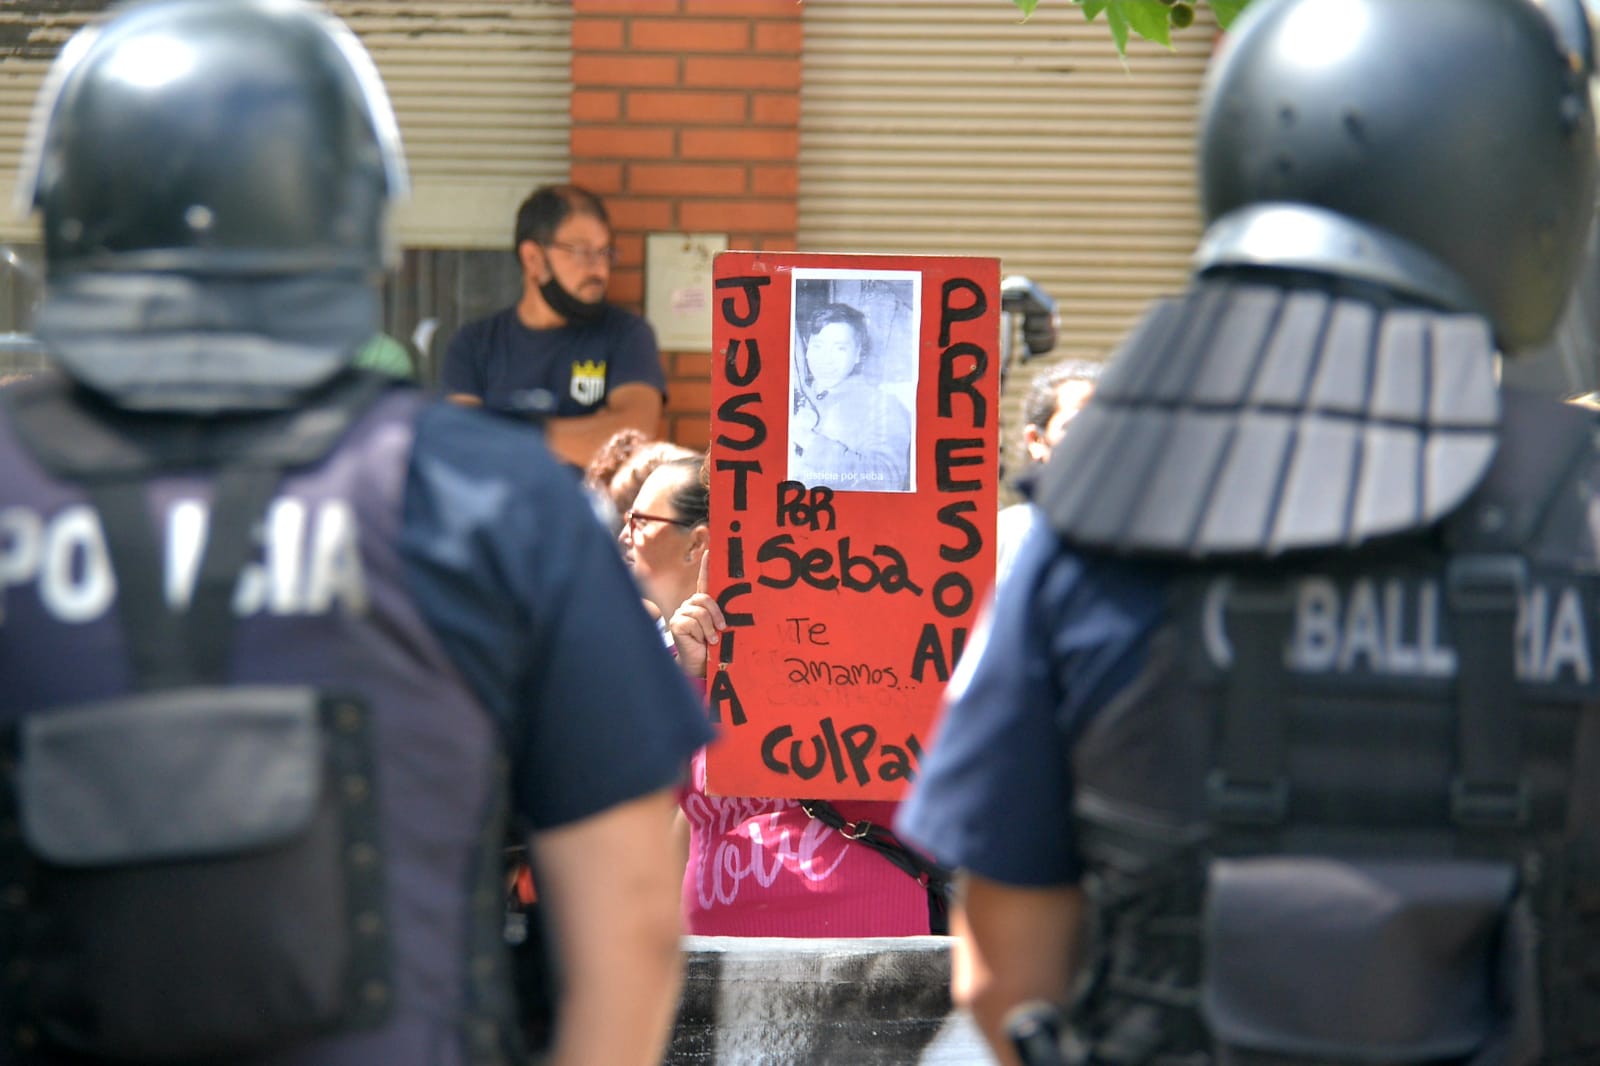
1227 10
1026 7
1149 20
1117 19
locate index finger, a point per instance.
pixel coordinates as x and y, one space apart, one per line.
700 581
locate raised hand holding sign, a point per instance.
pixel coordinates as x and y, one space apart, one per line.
697 625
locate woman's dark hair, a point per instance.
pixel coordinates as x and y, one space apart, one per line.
692 496
829 314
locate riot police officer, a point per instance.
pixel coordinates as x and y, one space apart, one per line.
283 644
1279 745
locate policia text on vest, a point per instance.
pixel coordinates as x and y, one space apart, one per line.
310 565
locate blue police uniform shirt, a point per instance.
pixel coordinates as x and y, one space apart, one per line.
501 361
494 546
1063 635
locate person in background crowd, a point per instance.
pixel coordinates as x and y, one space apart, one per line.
1055 396
630 477
1249 761
609 457
585 368
321 637
665 532
619 468
603 466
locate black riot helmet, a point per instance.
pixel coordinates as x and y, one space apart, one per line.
1441 149
214 178
218 137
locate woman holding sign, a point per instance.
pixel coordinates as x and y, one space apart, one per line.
844 432
781 867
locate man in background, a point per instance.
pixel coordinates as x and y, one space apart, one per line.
561 354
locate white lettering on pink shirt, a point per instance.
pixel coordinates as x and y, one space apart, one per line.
745 839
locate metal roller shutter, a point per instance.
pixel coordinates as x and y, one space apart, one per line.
948 126
482 92
29 41
480 87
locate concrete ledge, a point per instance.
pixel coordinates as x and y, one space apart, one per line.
775 1001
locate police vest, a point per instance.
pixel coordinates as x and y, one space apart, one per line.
286 842
1350 810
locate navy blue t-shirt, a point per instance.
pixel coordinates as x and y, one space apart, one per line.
1064 634
531 600
501 361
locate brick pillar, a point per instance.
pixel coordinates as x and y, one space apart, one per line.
685 118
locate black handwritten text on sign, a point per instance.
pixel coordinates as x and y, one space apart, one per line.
854 467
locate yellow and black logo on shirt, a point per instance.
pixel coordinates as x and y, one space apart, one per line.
589 382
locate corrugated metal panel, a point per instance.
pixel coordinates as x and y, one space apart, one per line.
948 126
481 89
30 36
435 290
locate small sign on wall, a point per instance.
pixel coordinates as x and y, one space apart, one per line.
677 295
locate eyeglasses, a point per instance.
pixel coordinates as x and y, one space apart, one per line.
633 518
588 256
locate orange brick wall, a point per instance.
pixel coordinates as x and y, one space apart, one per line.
686 117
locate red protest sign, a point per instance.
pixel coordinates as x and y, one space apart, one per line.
854 461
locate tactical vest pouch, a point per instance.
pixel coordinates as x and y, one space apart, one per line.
1383 963
203 873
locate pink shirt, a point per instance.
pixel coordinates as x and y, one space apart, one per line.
763 867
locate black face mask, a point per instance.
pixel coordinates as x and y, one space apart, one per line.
569 306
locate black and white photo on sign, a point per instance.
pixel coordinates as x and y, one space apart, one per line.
853 379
